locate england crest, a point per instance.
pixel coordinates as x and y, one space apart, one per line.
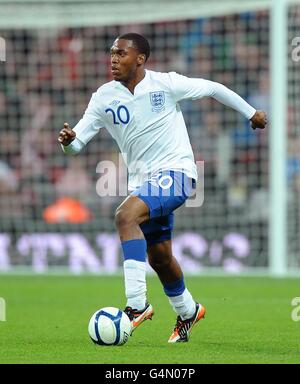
157 101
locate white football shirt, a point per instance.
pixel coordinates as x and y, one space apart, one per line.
148 125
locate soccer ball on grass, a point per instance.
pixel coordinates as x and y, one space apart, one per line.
109 326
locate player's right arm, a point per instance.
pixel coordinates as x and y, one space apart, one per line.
66 135
73 140
68 140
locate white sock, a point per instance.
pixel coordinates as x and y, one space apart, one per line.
135 283
184 304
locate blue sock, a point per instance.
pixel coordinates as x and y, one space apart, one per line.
180 299
174 289
134 249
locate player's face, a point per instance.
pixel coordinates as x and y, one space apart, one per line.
125 59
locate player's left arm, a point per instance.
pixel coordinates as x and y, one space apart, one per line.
228 97
188 88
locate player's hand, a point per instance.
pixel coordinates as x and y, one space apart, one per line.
259 120
66 135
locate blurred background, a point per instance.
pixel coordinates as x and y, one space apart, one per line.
57 54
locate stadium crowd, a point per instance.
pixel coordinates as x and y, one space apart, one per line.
49 77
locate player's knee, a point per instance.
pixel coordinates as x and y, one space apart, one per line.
123 218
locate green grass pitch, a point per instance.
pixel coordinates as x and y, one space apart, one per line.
248 321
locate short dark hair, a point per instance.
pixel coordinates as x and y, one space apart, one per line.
139 41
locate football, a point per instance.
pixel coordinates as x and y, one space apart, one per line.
109 326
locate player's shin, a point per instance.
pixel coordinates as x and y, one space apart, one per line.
135 272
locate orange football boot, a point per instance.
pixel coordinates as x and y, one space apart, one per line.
182 329
138 317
